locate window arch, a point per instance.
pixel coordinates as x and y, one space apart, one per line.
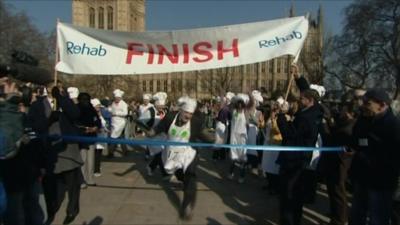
101 18
91 17
110 18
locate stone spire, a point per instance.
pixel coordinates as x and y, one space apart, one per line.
291 10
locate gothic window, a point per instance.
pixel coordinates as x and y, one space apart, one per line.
271 66
91 17
158 85
101 18
285 66
110 18
279 66
144 85
165 85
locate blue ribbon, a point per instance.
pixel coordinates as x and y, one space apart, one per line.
211 146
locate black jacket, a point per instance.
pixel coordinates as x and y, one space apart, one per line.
376 142
303 131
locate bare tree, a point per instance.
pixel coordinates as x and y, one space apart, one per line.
367 53
17 33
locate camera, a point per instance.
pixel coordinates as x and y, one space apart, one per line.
24 67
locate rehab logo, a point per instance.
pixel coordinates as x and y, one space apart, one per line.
280 40
84 49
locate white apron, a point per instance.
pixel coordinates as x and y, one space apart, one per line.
316 155
269 157
144 113
155 149
178 157
118 121
238 136
102 133
220 133
252 133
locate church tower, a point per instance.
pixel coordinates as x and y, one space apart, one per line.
120 15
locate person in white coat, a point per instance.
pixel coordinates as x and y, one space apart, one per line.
119 111
146 118
238 135
160 99
185 125
255 120
222 128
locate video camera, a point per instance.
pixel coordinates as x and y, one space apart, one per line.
24 67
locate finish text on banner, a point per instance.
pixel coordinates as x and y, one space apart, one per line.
102 52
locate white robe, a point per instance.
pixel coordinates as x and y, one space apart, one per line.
238 136
118 120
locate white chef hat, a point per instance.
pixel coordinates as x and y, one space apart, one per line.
187 104
147 97
257 96
359 92
283 104
160 98
243 97
281 101
73 92
118 93
228 97
95 102
320 89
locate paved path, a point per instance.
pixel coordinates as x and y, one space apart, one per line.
126 195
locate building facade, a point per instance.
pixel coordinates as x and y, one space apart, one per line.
273 75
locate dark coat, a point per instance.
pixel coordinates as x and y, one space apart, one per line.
303 131
376 143
61 156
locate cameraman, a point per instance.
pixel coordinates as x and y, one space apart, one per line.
56 115
20 164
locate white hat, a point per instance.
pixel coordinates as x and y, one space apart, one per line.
187 104
95 102
118 93
243 97
146 96
160 98
229 95
359 92
320 89
284 105
73 92
257 96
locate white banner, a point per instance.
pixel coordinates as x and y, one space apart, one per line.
101 52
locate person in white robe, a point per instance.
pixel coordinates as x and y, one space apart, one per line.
119 111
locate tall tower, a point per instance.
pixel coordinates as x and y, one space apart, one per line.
121 15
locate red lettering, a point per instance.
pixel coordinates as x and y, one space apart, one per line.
185 53
199 50
150 59
234 49
132 51
163 51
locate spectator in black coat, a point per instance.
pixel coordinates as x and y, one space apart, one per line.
302 131
375 166
56 114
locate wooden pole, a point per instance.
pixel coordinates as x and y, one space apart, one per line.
56 59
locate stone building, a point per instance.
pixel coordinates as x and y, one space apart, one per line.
129 15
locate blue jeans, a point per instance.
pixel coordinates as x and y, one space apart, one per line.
374 204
